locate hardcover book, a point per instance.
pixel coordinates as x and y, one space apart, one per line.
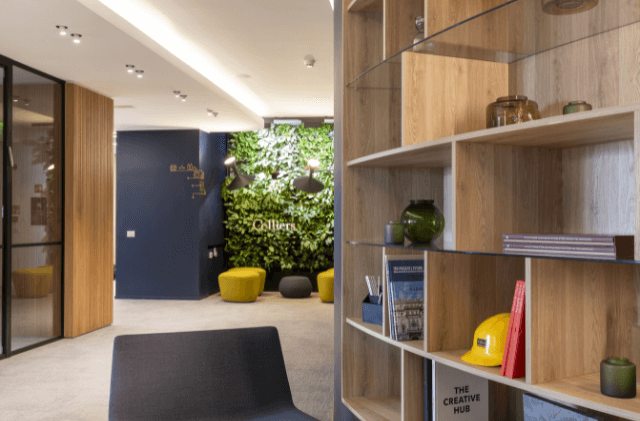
406 298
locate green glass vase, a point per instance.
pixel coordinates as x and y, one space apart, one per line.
423 221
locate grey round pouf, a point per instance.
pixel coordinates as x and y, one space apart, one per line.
295 287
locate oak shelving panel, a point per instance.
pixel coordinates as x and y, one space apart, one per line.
562 174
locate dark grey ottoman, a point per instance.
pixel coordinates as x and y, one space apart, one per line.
295 287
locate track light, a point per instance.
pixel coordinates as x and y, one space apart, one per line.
139 73
309 184
130 68
63 29
177 94
212 113
52 166
15 99
76 38
26 102
184 98
240 179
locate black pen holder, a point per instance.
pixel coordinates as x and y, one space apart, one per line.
372 310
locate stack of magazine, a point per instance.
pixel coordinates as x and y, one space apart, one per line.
405 286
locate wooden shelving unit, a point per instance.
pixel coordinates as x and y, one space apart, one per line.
413 128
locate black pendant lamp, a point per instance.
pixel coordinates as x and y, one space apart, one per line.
309 184
240 180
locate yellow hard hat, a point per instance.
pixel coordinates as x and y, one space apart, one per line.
489 341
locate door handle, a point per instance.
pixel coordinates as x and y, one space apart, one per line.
11 157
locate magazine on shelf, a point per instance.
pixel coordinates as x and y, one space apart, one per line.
405 286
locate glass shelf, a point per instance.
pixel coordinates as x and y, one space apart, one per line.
439 248
513 31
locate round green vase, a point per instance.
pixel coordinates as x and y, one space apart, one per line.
423 221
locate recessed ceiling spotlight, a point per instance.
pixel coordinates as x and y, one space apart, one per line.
130 68
309 61
15 99
184 98
26 102
244 76
139 73
177 94
63 29
76 38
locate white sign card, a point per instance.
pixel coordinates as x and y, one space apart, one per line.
459 396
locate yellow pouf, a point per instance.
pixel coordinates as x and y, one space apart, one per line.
325 286
239 285
261 272
33 283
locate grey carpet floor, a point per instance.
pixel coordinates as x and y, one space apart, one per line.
70 379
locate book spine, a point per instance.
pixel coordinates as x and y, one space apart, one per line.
553 247
562 237
572 255
517 348
514 329
505 357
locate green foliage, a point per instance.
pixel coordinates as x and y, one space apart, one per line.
261 153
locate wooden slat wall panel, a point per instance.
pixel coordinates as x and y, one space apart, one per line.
586 310
89 211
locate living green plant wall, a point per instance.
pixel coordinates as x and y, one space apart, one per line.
270 223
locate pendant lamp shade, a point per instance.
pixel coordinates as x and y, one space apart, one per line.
240 180
309 184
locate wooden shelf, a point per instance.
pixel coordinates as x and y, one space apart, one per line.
365 6
375 409
588 128
585 391
416 347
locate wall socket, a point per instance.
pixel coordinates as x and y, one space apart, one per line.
131 234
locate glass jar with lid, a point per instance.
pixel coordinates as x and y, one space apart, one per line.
511 110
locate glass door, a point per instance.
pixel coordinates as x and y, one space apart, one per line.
31 187
35 154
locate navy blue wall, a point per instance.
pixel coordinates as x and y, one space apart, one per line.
165 260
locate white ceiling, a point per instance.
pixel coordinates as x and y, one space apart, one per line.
265 39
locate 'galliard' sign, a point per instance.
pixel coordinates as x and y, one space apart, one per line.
260 225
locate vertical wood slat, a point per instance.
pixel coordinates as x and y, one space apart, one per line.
88 211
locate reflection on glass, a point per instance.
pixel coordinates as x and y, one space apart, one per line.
36 295
37 129
513 31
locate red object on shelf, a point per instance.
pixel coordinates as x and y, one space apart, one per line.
507 345
517 353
